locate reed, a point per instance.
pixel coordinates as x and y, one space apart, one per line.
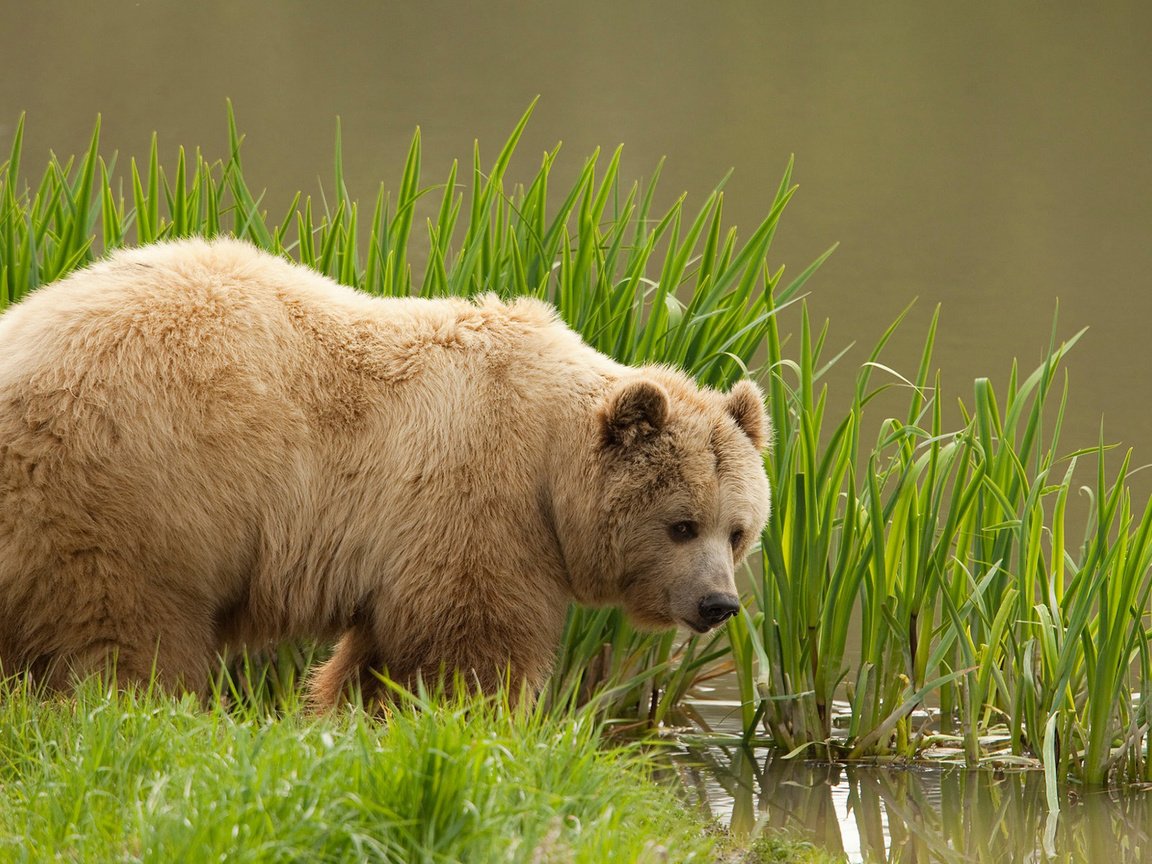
940 535
671 286
980 625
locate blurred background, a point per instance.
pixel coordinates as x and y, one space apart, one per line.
992 158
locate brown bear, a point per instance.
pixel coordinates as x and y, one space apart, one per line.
204 446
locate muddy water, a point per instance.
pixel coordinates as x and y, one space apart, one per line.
992 158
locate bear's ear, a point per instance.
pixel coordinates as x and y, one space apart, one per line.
636 410
745 403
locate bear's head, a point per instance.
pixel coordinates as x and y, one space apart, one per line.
685 495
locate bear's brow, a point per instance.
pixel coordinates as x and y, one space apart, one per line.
716 451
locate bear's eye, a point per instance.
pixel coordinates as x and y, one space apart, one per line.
737 538
682 532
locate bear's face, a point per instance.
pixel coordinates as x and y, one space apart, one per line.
685 497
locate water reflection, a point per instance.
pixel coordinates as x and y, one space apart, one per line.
918 814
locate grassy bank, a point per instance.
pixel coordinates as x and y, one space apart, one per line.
132 777
986 630
140 777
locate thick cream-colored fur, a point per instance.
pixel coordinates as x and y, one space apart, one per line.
203 446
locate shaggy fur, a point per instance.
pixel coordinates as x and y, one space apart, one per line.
203 446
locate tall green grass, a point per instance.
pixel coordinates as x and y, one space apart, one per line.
941 539
947 549
641 283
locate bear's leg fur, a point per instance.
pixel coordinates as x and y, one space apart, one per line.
174 661
95 619
179 654
350 668
358 658
171 665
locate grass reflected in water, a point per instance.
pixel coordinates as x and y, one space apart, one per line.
918 813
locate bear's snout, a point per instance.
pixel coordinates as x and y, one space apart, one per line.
717 608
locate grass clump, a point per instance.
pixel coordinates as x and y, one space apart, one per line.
108 776
781 849
985 630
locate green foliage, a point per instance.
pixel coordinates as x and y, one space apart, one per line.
594 254
946 542
949 549
134 776
783 850
671 287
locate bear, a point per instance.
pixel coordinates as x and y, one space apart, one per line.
204 446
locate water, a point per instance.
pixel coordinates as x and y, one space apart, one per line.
992 158
936 812
912 813
920 814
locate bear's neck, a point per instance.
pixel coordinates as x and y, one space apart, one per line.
575 509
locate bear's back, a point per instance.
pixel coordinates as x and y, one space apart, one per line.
192 312
198 347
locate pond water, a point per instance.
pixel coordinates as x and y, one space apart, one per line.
993 158
912 813
920 813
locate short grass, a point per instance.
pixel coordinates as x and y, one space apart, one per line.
786 850
105 776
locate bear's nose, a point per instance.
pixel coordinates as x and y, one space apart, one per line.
717 608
